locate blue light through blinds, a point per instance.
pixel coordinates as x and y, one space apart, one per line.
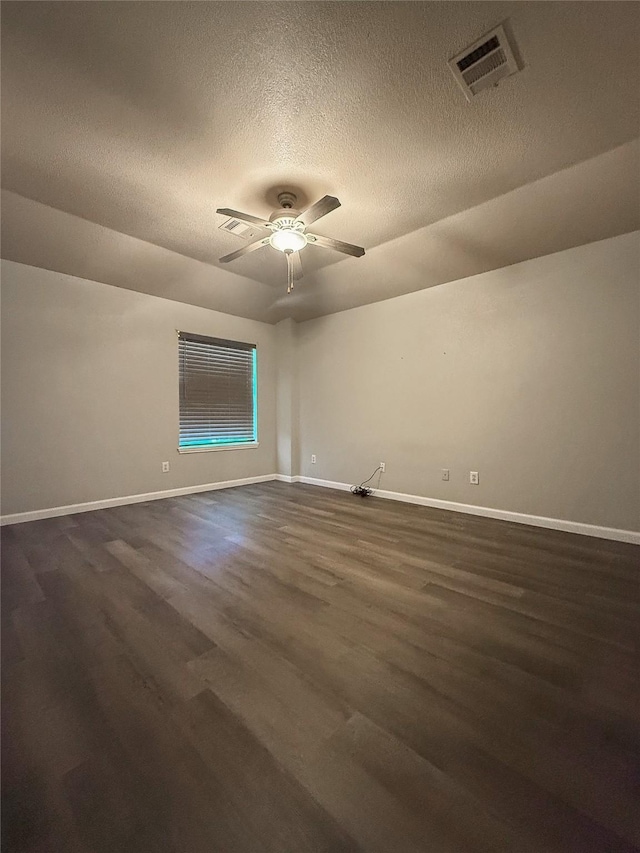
218 392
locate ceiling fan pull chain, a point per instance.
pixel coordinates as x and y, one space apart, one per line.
289 272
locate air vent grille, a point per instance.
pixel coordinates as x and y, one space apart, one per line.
240 229
484 63
478 53
481 69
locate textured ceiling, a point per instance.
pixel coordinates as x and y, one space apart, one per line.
145 117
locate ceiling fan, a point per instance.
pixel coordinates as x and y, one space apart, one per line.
288 232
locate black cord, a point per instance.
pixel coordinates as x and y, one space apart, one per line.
362 489
364 482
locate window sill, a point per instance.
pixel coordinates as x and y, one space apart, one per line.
208 449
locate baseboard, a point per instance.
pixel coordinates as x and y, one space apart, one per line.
284 478
52 512
488 512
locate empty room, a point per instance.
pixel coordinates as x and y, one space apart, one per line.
320 515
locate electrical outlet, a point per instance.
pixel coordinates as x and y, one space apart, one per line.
165 467
474 479
313 458
383 467
445 473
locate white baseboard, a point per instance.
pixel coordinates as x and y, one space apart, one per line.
488 512
52 512
614 533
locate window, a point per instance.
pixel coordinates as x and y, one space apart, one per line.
218 393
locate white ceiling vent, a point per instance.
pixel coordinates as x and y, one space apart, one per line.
240 229
484 63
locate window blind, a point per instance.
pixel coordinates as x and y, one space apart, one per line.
218 392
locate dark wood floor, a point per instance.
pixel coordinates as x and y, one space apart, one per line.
287 669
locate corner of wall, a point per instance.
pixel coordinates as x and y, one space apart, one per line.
287 399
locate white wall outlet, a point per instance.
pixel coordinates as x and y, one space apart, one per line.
165 467
383 467
445 473
474 479
313 458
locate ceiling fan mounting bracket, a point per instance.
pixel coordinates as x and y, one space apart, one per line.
287 199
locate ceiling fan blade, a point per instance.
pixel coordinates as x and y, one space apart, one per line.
245 217
296 264
319 208
338 245
264 241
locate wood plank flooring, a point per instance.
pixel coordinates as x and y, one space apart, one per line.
282 669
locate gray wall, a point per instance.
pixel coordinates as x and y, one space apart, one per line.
529 375
90 392
287 398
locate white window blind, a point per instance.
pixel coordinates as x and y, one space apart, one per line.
218 392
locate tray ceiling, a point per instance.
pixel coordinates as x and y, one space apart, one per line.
143 118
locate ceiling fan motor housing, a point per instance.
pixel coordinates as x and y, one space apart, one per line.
286 218
287 214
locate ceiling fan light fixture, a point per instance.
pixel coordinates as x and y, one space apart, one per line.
288 240
287 226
